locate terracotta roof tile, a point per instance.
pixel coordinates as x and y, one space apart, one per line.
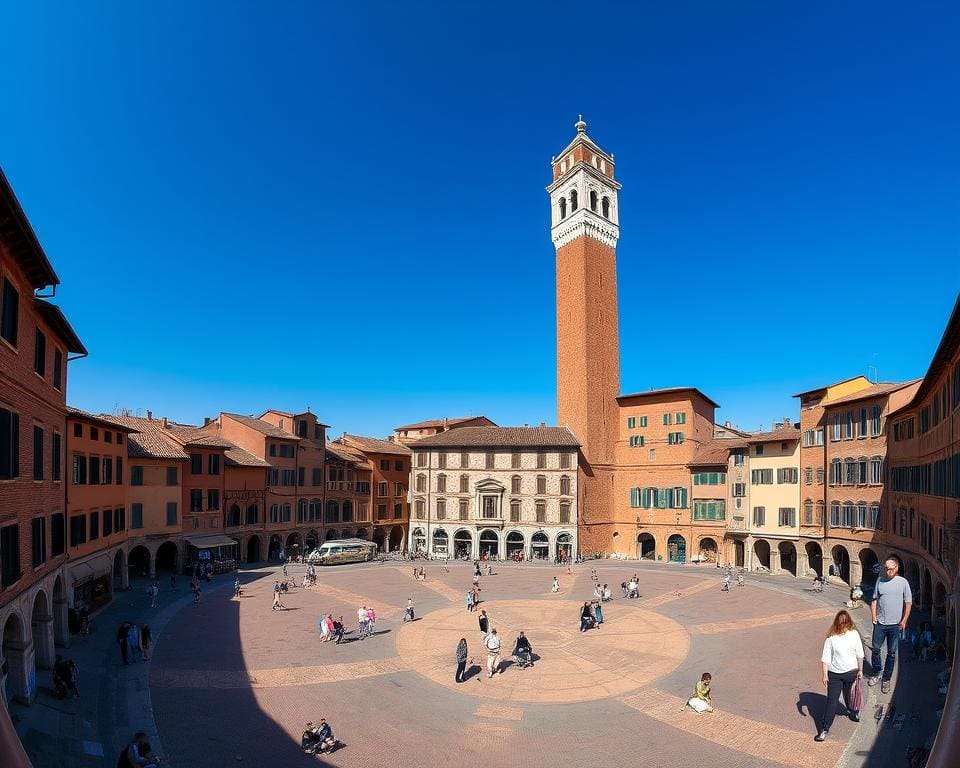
373 445
787 433
715 452
874 390
440 423
148 441
238 457
192 435
340 452
106 420
501 437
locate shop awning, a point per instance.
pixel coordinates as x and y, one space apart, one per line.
209 542
92 568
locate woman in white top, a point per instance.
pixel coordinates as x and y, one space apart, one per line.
842 662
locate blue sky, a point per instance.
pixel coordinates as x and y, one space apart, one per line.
342 206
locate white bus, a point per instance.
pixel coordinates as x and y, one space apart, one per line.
343 551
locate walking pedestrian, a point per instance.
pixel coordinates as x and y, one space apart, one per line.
277 605
154 591
476 598
484 623
492 643
133 641
598 612
196 593
338 630
586 617
362 619
555 587
122 634
890 610
469 600
842 662
146 641
371 621
461 659
324 631
726 583
740 579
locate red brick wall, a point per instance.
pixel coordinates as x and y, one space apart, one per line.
37 403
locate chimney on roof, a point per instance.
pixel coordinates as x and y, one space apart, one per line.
164 422
787 421
543 423
727 424
149 415
206 420
444 423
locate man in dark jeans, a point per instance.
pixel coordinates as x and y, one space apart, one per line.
122 640
890 608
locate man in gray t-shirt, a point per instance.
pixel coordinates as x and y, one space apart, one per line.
890 608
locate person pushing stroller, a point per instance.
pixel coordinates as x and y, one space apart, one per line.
522 652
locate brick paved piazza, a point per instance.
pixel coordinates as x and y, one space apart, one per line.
233 682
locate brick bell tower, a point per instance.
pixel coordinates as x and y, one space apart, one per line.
585 230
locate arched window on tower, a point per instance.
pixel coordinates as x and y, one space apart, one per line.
593 200
563 208
573 200
606 207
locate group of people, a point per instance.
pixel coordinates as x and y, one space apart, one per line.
135 641
728 578
602 593
522 651
591 615
331 629
631 588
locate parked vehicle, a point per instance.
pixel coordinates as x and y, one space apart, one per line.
343 551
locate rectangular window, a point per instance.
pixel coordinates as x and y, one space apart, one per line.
196 463
381 511
667 419
38 541
541 484
79 469
681 418
739 490
787 475
107 522
418 509
848 426
862 426
808 476
38 453
93 477
540 509
464 509
213 499
564 460
759 516
57 368
57 534
421 458
107 470
385 463
643 421
709 510
119 520
94 433
56 458
40 354
631 422
119 473
787 517
564 512
382 489
758 450
488 459
288 477
651 454
9 552
876 412
674 438
837 427
441 509
196 500
10 317
808 513
172 476
213 464
316 476
9 444
464 460
515 460
172 513
541 460
819 474
761 476
78 530
136 474
108 436
464 484
95 525
301 476
636 441
738 458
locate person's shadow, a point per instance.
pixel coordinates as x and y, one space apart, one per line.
472 671
815 705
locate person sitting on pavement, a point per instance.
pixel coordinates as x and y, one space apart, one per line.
137 753
323 737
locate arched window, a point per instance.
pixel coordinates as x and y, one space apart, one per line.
441 509
849 511
573 200
563 208
849 472
421 483
835 514
564 486
514 511
515 484
836 472
564 512
541 484
441 483
464 484
541 511
874 516
593 200
818 519
606 207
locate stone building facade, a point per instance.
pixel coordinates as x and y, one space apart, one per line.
497 492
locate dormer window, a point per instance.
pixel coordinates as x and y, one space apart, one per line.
563 208
573 200
593 200
606 207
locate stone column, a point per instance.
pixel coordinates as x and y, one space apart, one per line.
21 674
43 641
856 572
803 563
61 624
774 559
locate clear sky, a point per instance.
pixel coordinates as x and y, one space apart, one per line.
342 205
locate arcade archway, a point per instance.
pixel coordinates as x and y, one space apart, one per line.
677 549
646 547
761 553
788 557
